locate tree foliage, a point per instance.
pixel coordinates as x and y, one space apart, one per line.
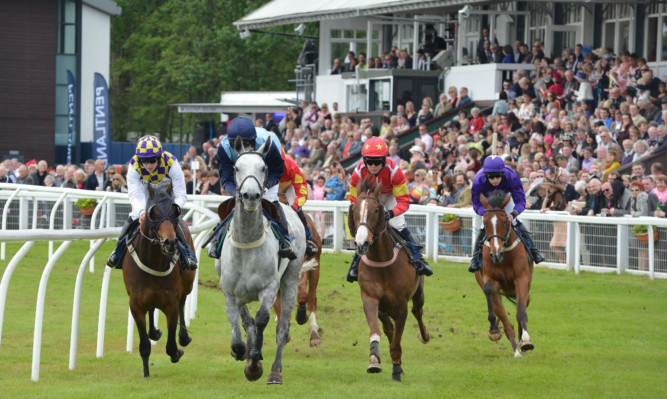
188 51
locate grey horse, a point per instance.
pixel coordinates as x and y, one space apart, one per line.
250 269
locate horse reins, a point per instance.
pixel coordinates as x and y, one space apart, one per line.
153 226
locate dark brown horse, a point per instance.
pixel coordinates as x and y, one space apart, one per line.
306 297
386 277
507 270
153 276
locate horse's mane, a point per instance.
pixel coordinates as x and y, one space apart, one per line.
367 185
496 198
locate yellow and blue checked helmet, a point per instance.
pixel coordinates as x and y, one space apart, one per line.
148 146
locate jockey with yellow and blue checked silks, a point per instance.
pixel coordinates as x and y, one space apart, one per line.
253 138
151 165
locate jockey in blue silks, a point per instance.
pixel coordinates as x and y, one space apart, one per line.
253 138
151 165
496 176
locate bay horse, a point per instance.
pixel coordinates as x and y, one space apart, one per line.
507 270
250 269
306 297
153 276
386 277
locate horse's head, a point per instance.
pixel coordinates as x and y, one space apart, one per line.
162 215
496 223
250 174
367 212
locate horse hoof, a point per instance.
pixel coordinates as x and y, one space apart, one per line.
527 346
517 354
184 340
275 378
253 372
315 340
177 356
238 351
495 335
301 315
155 335
374 366
421 339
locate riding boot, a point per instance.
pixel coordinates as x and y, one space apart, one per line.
423 269
475 262
218 237
528 242
311 247
121 246
353 273
188 258
285 250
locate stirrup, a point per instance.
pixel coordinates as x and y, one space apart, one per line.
286 250
311 248
423 269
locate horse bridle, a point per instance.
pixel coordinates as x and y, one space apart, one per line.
154 225
507 227
238 186
366 225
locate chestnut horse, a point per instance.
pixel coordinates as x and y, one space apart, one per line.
386 277
306 296
153 276
507 270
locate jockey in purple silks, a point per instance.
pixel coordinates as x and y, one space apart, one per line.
496 176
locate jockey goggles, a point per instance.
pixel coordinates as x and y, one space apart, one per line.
145 161
374 161
494 175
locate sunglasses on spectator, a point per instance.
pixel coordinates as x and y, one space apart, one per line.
494 175
116 179
373 161
148 160
634 189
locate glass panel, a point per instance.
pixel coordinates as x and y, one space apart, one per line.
63 63
376 49
376 34
67 39
624 36
348 34
61 100
356 98
361 34
335 34
61 130
339 50
361 48
67 12
625 11
664 40
609 35
652 39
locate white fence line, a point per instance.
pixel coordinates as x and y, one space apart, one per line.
20 202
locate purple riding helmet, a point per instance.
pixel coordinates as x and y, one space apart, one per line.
494 163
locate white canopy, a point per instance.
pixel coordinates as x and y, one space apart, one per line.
282 12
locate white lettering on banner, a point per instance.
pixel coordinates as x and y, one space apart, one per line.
100 125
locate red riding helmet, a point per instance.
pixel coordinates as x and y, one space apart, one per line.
374 147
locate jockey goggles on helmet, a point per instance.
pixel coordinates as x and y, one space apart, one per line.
150 160
374 161
494 175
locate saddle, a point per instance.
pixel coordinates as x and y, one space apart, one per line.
226 208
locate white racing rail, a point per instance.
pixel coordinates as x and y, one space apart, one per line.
24 207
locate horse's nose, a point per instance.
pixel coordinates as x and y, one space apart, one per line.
497 258
250 196
170 245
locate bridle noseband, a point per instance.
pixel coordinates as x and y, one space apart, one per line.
239 186
373 237
154 224
507 227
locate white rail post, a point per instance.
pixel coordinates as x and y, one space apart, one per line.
101 321
7 275
76 307
39 313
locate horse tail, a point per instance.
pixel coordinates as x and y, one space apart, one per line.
309 265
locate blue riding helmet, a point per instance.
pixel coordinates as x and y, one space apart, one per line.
494 163
243 127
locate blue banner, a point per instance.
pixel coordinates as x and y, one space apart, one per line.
101 121
71 95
